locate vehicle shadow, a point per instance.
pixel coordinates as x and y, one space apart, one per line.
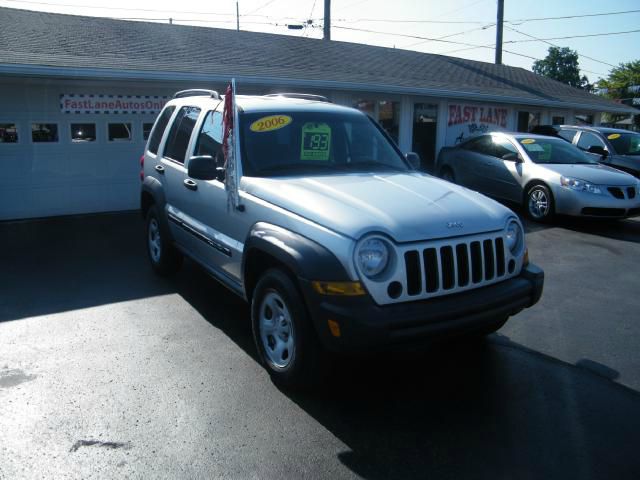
471 409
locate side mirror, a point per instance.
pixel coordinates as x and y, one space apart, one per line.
203 167
413 159
512 157
598 150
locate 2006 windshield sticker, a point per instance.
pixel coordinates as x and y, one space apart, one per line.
316 141
270 123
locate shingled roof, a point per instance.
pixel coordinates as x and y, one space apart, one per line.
40 43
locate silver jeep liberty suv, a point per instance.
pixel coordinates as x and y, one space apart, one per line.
336 240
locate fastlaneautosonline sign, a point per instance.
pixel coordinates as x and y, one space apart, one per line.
101 103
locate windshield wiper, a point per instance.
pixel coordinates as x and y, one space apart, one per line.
370 163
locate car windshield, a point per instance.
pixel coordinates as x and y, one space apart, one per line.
625 143
553 150
283 143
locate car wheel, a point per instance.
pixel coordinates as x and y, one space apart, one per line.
539 203
447 174
286 341
164 257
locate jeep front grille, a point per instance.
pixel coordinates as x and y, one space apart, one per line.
456 265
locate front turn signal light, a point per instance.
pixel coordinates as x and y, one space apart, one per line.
347 289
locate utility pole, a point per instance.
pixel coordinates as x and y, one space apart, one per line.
499 32
237 17
327 20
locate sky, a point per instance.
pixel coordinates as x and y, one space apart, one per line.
459 26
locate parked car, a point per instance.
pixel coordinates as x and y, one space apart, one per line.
546 175
338 243
612 146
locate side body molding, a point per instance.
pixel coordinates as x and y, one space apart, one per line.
304 257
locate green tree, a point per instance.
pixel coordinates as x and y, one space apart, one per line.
622 84
561 64
623 81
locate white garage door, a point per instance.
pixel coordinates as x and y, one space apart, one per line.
56 160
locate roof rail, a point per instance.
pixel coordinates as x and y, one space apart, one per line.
197 92
302 96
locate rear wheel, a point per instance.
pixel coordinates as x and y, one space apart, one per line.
282 330
539 203
164 257
447 174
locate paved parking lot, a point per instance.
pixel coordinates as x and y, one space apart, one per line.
107 371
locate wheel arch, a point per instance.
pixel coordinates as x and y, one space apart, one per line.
269 246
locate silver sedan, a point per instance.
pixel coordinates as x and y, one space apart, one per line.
546 175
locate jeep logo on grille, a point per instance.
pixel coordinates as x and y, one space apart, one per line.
454 225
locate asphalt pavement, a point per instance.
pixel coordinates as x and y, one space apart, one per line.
107 371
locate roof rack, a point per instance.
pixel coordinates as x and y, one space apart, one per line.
197 92
302 96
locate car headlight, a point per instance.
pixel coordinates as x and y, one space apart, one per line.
372 256
514 237
579 185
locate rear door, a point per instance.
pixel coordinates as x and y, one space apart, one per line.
175 173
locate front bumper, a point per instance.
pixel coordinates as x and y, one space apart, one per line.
582 204
366 325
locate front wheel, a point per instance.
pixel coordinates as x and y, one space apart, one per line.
539 203
286 341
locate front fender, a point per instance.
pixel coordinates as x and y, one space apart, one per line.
304 257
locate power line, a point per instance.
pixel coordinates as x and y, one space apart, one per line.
539 19
558 46
484 27
574 36
267 3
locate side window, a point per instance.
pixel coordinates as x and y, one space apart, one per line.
474 144
484 146
158 131
180 133
567 134
588 139
502 146
210 138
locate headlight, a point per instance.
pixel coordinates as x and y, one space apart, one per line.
372 256
579 185
514 237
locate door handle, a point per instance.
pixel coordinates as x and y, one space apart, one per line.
159 169
190 184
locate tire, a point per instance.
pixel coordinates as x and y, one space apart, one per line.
285 338
447 174
164 257
538 203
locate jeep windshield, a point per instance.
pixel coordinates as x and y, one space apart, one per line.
284 143
625 143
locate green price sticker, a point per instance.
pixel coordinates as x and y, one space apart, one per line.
316 141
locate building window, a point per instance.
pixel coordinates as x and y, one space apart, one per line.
425 116
44 132
146 130
8 133
584 119
119 132
366 106
389 117
528 120
83 132
557 120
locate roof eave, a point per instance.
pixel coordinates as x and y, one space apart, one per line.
148 75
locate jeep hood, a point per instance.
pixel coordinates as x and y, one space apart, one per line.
407 207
